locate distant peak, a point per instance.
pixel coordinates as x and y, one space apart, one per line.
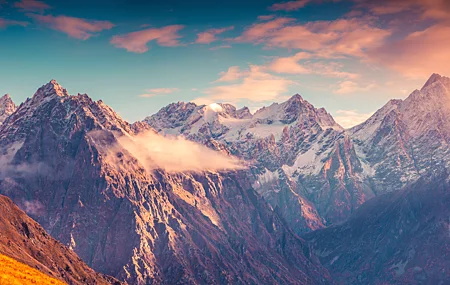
5 97
435 78
296 97
53 88
6 100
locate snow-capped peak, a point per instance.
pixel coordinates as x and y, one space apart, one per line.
50 89
436 78
7 107
215 107
297 109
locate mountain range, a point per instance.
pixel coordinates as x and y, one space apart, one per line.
305 163
283 206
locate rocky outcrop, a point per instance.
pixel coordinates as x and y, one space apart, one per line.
7 107
26 241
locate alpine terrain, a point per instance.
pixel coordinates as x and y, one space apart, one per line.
63 163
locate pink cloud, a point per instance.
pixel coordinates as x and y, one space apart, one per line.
158 91
209 36
350 118
307 63
342 37
137 41
232 74
5 23
289 6
258 32
32 5
255 85
266 17
291 64
348 87
74 27
419 54
428 9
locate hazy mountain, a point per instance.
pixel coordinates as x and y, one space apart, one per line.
398 238
407 138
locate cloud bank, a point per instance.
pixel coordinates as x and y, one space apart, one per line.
172 154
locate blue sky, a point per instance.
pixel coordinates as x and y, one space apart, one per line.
349 56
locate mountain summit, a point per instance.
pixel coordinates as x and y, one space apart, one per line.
7 107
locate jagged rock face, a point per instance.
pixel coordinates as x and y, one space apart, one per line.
7 107
26 241
143 227
293 140
398 238
405 139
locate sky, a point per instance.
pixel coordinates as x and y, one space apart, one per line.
348 56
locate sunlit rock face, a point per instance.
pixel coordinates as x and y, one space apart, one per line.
145 227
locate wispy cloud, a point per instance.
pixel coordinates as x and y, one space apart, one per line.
350 118
419 54
342 37
77 28
5 23
308 63
349 87
137 41
289 6
220 47
158 91
266 17
210 35
232 74
32 6
255 84
427 9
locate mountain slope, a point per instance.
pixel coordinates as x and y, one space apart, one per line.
147 227
26 241
397 238
14 272
293 140
405 139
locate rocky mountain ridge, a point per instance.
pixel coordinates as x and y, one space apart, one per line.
292 143
331 170
140 226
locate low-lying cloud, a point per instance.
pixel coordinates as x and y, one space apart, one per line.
170 153
8 169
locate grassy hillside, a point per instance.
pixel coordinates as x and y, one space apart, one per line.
13 272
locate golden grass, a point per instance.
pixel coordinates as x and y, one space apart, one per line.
13 272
